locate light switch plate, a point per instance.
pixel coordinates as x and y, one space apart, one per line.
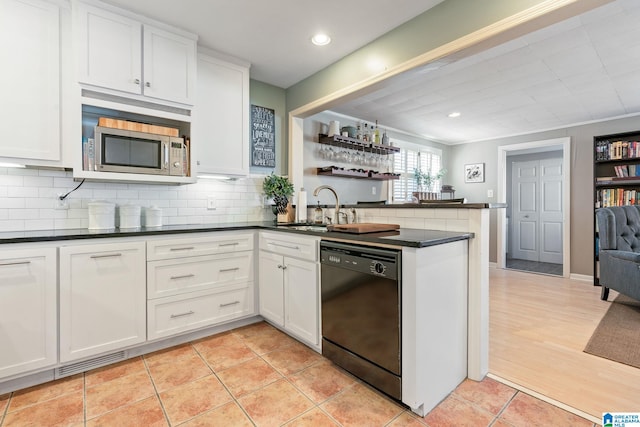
211 203
489 193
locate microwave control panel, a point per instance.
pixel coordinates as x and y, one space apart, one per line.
177 158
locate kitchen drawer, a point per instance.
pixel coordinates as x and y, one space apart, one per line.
199 244
220 272
171 315
301 247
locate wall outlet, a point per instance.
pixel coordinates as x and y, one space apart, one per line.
61 203
489 193
373 190
211 203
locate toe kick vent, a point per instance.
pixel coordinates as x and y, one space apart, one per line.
87 365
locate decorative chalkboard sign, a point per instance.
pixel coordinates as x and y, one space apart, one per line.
263 137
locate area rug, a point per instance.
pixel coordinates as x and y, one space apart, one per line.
617 337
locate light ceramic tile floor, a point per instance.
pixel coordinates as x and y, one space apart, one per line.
255 376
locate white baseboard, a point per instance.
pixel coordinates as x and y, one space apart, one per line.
493 265
581 277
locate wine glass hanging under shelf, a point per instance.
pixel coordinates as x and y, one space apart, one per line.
356 144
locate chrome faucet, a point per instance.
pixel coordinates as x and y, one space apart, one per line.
336 215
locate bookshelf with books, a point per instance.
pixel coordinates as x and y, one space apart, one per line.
616 172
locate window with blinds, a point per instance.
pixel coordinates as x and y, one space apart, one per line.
405 162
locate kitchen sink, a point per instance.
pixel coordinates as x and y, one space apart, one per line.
314 228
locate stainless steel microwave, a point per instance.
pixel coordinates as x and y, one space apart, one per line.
120 150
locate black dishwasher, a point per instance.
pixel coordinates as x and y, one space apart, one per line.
361 312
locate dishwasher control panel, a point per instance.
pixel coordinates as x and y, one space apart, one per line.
378 262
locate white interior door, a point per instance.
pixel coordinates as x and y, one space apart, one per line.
551 177
525 214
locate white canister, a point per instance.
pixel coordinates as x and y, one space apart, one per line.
334 127
102 215
129 216
153 217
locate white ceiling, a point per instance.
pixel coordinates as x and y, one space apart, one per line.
584 69
275 35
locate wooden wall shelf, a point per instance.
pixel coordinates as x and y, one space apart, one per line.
346 173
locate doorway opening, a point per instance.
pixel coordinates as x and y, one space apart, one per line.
534 182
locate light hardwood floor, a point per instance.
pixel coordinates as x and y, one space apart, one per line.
539 326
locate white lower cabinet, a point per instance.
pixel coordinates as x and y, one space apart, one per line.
289 287
102 298
28 312
170 315
198 281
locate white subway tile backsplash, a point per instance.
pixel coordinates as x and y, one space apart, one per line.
39 224
28 200
38 181
11 181
12 225
22 192
39 203
12 203
24 214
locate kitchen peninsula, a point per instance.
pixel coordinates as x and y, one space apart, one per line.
429 257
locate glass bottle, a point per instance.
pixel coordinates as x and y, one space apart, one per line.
376 134
318 214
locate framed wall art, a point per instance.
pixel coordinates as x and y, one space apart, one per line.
474 172
263 137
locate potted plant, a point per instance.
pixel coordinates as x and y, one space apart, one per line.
425 182
280 189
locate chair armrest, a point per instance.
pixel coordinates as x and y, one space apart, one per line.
625 256
606 228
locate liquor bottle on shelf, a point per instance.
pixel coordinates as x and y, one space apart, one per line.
366 134
376 134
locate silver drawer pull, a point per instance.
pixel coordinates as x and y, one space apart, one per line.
186 248
229 269
184 276
15 263
230 303
286 246
106 256
229 244
188 313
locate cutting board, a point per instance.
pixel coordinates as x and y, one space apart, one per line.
363 227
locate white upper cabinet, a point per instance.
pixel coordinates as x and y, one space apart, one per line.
122 53
30 80
169 66
110 50
220 130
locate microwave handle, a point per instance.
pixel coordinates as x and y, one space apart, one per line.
166 155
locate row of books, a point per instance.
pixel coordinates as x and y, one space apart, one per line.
616 150
616 197
627 170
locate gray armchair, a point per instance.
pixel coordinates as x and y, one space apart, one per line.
619 232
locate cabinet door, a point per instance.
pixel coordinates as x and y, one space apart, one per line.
109 50
221 122
301 299
271 287
28 332
30 79
169 65
102 298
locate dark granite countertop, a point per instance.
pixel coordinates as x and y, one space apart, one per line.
404 237
430 205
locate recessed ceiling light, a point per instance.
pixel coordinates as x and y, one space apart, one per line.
320 39
454 114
